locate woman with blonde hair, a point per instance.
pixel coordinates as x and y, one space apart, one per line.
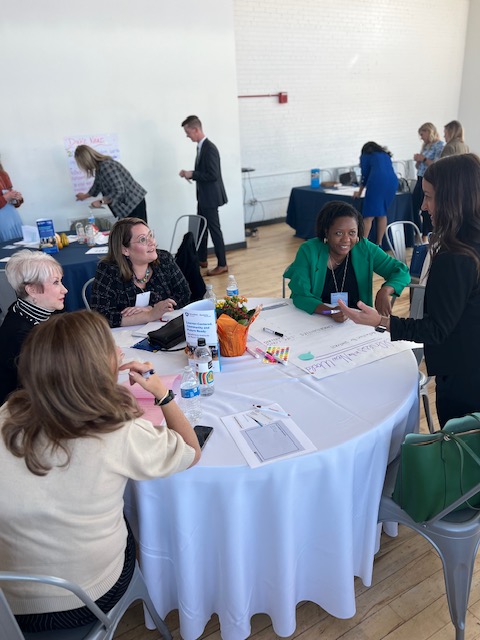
123 195
71 439
36 278
430 152
454 134
10 200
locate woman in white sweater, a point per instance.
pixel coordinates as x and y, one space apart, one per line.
71 438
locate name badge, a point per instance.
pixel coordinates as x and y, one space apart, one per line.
341 295
142 299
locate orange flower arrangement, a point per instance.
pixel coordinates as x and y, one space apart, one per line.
233 320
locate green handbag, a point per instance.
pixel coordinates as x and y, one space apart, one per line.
437 468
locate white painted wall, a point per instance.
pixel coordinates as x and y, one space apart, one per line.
354 70
115 66
470 93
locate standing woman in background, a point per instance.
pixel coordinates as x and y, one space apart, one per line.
453 134
10 200
124 196
431 150
381 183
449 327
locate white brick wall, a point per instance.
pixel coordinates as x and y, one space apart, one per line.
354 70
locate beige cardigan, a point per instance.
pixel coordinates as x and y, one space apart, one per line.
70 522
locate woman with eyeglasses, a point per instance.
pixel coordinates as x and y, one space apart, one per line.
136 283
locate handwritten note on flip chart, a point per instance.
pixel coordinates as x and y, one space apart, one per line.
322 347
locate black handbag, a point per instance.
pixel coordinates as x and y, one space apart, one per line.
168 336
348 178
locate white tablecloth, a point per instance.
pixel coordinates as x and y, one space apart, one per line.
224 538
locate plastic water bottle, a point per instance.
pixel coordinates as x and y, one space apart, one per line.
204 367
232 286
190 396
91 220
210 294
81 238
90 233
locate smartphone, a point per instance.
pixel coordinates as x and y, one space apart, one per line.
203 434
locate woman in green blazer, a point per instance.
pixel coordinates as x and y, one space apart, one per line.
339 264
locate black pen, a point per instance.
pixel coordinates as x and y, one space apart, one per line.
275 333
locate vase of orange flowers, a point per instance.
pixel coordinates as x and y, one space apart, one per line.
233 321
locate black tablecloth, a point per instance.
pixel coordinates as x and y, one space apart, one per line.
306 202
77 269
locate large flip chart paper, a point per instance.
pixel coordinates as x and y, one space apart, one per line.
322 347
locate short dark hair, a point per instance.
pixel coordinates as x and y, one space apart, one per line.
374 147
192 121
333 210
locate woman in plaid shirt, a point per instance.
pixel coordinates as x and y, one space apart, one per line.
124 196
136 282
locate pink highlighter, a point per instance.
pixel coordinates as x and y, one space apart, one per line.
266 355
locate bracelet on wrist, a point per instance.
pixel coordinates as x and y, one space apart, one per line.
382 325
168 397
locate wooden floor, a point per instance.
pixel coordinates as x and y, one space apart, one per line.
407 598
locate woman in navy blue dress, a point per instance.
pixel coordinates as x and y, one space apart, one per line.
381 183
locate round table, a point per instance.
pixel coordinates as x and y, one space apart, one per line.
224 538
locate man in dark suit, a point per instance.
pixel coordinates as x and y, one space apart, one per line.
210 192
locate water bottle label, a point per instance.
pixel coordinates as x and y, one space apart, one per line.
232 292
203 367
205 377
190 393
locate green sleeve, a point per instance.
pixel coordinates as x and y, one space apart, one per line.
307 275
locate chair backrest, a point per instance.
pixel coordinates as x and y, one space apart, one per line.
85 294
8 622
9 628
395 236
102 629
197 224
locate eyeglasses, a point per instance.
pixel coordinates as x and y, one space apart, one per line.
145 239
